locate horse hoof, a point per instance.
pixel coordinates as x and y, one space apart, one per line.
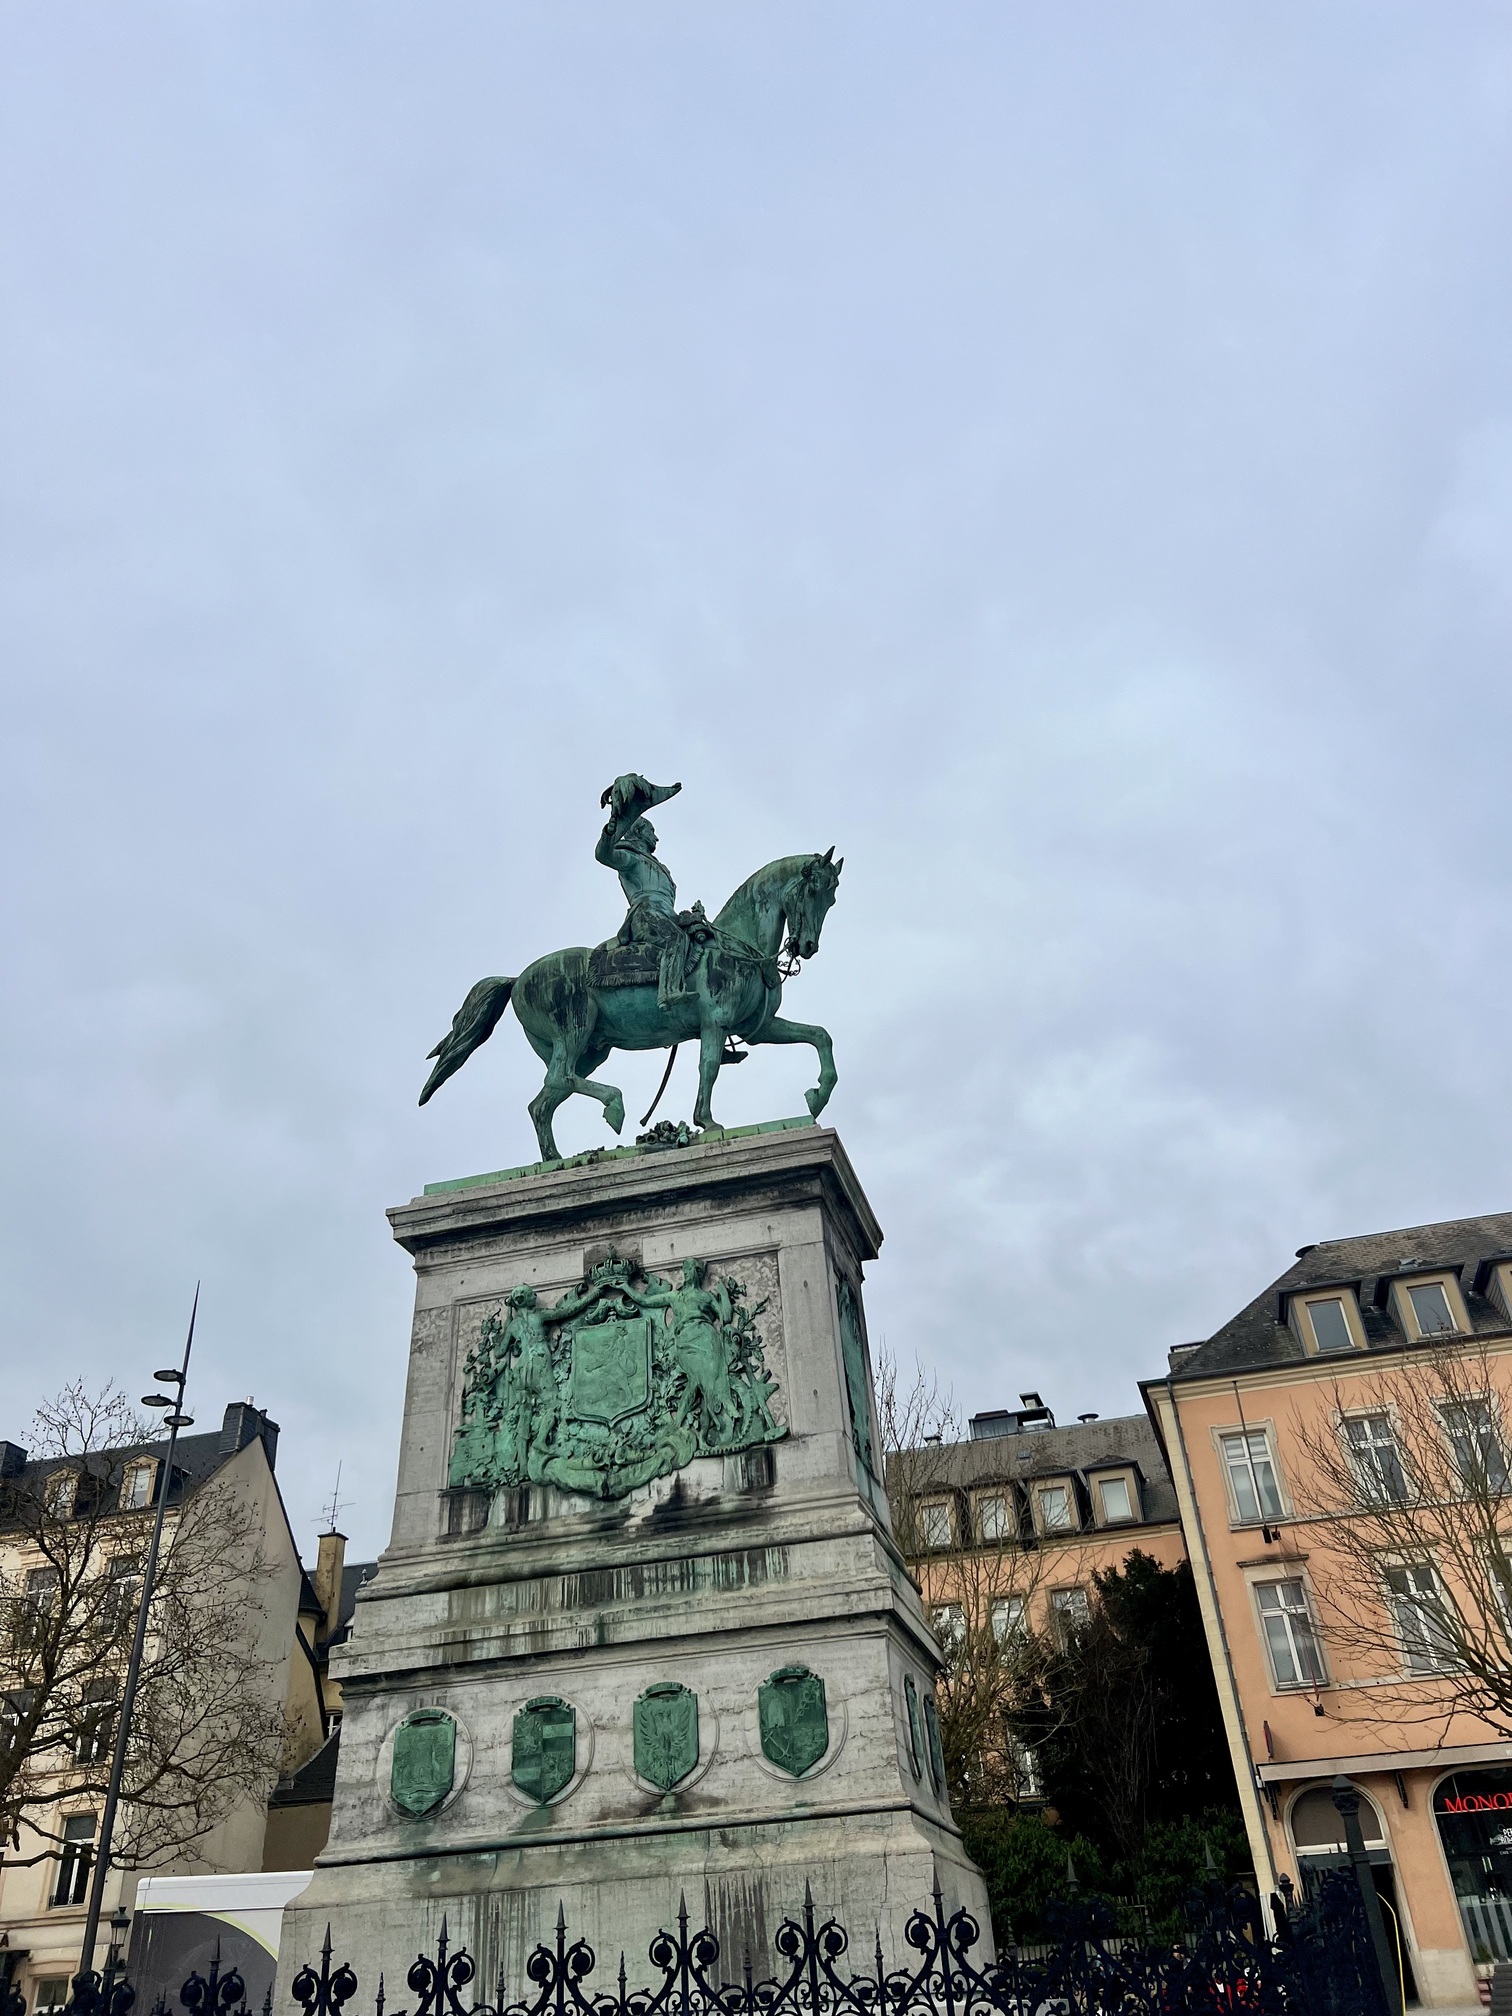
816 1101
614 1113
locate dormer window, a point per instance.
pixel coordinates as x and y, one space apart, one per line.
136 1487
936 1526
62 1489
993 1516
1057 1513
1328 1323
1428 1309
1117 1500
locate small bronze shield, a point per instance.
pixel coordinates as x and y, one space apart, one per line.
666 1734
794 1719
543 1754
425 1758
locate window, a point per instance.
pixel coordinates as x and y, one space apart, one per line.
1289 1635
1377 1461
993 1522
1330 1324
136 1487
42 1587
1430 1310
95 1730
1117 1500
123 1592
949 1621
936 1527
1008 1620
1024 1765
1478 1453
62 1489
1071 1611
72 1886
14 1707
1418 1608
1057 1514
50 1996
1252 1476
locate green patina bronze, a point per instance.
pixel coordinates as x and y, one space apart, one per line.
666 1734
794 1719
936 1747
669 976
425 1761
915 1727
857 1381
543 1748
626 1378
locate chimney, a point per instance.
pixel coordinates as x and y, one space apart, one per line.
242 1425
329 1562
12 1459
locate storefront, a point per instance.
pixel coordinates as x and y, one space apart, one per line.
1473 1810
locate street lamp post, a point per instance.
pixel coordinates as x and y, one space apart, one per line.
174 1420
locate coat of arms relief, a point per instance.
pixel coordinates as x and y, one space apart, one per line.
623 1379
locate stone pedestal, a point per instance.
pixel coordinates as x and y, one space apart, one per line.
537 1618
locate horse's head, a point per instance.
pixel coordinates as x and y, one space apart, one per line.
807 900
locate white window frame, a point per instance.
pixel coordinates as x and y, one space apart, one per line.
1130 1486
1263 1431
1070 1610
1360 1459
1494 1415
1027 1783
61 1494
1288 1612
1006 1529
1009 1617
1301 1308
1064 1485
927 1541
142 1472
1405 1310
1421 1658
948 1620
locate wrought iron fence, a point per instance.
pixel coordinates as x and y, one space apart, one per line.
1317 1962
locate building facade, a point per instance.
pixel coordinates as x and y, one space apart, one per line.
1341 1461
43 1894
1004 1533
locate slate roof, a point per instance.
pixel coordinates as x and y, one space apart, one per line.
1056 1452
195 1457
314 1783
1260 1335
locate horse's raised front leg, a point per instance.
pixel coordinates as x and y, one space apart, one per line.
711 1041
561 1082
780 1030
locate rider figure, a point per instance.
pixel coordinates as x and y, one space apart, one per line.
628 845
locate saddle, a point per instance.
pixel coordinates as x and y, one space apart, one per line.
614 965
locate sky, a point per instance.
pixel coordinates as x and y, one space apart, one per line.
1060 455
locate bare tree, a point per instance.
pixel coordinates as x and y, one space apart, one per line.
985 1590
207 1730
1411 1488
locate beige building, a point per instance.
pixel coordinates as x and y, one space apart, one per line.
1005 1531
42 1903
1342 1456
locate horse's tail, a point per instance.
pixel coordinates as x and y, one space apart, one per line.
472 1025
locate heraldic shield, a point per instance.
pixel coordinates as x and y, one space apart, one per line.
611 1369
794 1719
666 1734
425 1760
543 1751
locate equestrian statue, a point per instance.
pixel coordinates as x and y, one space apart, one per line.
668 976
